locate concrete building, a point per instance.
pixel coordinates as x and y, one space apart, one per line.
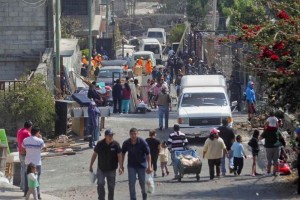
26 30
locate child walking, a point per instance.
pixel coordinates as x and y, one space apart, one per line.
253 143
32 181
163 157
238 155
154 145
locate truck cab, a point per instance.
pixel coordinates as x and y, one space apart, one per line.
203 104
159 34
153 45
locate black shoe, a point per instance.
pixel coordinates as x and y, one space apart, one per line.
160 128
39 197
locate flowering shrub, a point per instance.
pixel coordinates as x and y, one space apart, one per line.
276 53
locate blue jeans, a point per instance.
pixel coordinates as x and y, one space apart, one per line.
22 171
132 172
111 182
125 105
161 111
174 163
230 162
94 135
39 171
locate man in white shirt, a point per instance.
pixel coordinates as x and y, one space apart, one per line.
33 146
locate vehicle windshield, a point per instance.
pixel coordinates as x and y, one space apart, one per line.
108 73
203 99
155 35
152 47
145 57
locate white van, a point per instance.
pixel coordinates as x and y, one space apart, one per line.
158 33
145 54
203 104
152 45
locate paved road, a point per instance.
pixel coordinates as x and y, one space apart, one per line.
68 177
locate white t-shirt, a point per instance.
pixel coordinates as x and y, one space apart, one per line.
33 146
272 121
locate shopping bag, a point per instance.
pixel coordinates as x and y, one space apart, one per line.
93 177
149 184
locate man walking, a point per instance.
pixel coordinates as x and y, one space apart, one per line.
139 161
93 120
177 142
33 146
21 135
109 156
251 99
117 96
163 102
227 134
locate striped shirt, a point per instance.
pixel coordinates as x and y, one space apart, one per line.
33 146
177 141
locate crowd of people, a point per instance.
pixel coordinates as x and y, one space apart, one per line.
143 155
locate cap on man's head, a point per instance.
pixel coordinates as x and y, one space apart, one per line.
214 131
108 132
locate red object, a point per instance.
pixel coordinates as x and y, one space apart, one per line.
282 15
284 168
107 87
21 135
126 93
274 57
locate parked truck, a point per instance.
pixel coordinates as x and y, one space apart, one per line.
203 104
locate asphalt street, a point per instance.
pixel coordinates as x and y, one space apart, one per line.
67 177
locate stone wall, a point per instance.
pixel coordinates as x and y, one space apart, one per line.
24 35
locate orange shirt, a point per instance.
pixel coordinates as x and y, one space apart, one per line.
84 61
148 67
139 62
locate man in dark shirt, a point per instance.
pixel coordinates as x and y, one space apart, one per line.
117 96
109 155
227 134
139 161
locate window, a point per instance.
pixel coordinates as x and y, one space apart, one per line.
145 57
152 47
108 73
203 99
155 34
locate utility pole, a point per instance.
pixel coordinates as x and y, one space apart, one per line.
57 34
90 32
214 15
106 17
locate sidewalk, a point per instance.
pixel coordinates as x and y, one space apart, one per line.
11 192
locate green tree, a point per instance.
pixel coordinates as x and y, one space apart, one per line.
242 12
32 102
275 47
196 11
176 33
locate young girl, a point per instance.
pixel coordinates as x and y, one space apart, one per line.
238 154
163 157
253 143
32 181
